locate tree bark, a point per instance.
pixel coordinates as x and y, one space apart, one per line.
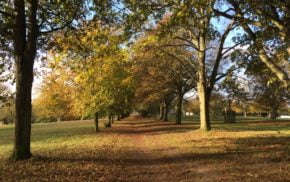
161 111
97 121
166 110
112 119
273 114
245 111
202 87
122 115
179 108
204 111
24 77
109 124
245 114
24 53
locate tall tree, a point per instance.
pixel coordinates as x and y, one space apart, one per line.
27 24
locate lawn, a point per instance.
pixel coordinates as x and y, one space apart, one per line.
139 149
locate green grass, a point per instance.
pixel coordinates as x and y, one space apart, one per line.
49 135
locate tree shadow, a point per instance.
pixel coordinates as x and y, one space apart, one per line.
150 128
249 150
253 126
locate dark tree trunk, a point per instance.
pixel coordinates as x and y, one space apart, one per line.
97 121
127 114
118 117
161 111
122 115
273 114
166 110
208 95
25 52
179 108
24 78
229 114
112 119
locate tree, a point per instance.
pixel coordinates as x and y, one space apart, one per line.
164 71
234 91
27 24
270 96
55 101
104 82
267 28
268 93
217 104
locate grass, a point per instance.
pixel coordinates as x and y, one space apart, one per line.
48 135
139 149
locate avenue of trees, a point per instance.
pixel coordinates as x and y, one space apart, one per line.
109 58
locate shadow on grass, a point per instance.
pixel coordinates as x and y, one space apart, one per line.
159 127
254 126
247 151
149 128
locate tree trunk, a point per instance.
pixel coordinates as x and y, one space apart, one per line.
97 121
166 110
229 116
245 111
204 111
245 114
230 105
273 114
24 52
128 113
110 121
179 108
122 115
161 111
202 87
118 117
24 79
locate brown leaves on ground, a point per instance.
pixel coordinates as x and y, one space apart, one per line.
147 150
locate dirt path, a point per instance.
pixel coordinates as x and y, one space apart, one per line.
147 157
